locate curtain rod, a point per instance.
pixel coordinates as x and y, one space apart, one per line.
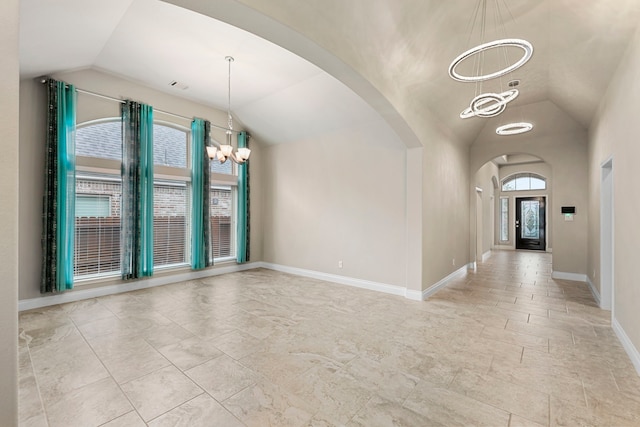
121 101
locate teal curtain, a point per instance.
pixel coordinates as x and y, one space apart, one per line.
243 205
200 200
136 206
59 198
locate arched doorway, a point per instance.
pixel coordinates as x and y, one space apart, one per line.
500 188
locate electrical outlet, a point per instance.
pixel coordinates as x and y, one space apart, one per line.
453 262
340 264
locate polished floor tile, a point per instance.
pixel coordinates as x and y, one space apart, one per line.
504 345
161 391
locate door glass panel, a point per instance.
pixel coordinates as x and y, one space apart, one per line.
531 220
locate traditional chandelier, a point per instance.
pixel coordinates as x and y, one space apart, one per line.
489 104
225 151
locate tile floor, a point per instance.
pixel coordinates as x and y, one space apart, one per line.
503 346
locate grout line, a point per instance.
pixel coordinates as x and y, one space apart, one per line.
35 377
105 367
614 379
171 409
584 392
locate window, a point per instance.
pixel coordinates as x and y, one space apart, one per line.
93 205
222 209
101 139
99 191
225 168
97 237
524 182
169 146
222 224
171 196
504 219
170 223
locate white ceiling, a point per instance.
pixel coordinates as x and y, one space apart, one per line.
282 98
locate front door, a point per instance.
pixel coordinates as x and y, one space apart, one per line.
530 223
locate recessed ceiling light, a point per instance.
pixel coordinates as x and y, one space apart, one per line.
514 128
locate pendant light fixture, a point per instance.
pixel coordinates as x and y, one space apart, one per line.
489 104
225 151
514 128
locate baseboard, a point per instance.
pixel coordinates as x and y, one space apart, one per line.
82 294
486 255
594 291
631 350
576 277
334 278
445 281
413 295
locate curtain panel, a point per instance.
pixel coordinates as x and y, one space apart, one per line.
59 190
136 231
243 227
201 190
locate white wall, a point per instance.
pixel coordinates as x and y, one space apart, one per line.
32 134
563 147
615 132
9 113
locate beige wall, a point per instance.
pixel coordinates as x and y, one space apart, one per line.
318 33
32 134
614 133
338 197
9 88
483 179
563 146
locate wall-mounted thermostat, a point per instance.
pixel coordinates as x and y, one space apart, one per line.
568 212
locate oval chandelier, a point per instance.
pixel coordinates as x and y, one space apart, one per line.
493 103
489 104
225 151
514 128
526 47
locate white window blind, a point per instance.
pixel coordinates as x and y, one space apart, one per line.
222 221
97 236
170 223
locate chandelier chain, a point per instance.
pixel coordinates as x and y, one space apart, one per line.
229 117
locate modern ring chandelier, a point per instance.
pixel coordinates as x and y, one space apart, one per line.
514 128
226 150
489 104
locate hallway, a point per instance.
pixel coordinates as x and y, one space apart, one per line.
505 345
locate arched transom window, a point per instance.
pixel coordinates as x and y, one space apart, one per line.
524 182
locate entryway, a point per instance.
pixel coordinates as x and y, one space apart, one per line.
530 223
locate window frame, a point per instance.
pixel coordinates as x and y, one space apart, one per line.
504 223
90 166
515 176
227 180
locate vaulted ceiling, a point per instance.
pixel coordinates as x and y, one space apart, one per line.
281 97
